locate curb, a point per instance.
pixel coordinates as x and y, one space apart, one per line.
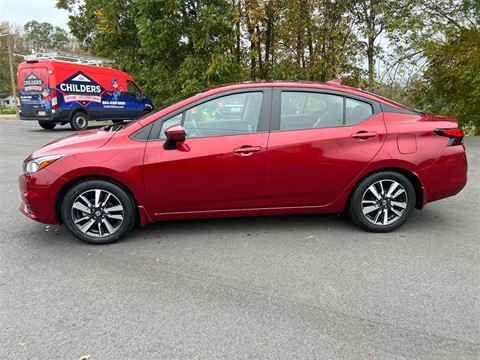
8 117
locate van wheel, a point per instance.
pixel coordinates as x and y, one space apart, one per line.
79 121
46 125
145 112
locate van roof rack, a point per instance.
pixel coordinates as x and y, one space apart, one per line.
71 57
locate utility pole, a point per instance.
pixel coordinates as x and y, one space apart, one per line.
12 74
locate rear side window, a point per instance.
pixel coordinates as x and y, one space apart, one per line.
303 110
357 111
308 110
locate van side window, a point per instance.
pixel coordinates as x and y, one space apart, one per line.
133 89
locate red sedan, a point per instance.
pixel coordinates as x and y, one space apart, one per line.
246 150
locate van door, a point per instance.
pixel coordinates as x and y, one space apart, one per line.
34 92
134 101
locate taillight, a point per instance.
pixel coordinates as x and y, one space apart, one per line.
456 135
54 100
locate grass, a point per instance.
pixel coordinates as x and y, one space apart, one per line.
7 111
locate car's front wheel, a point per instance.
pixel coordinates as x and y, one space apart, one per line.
382 202
98 212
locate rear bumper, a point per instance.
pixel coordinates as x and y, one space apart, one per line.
447 176
58 115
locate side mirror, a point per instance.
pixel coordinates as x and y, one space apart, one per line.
175 133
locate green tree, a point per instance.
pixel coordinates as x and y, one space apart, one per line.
377 17
316 41
18 46
450 83
44 36
172 47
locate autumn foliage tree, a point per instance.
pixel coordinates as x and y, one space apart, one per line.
177 47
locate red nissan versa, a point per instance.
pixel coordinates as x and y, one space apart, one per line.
270 148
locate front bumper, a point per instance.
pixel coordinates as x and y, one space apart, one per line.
39 193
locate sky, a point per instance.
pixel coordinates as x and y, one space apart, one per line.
22 11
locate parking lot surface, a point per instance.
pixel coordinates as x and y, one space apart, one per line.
292 287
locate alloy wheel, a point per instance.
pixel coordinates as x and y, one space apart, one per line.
97 213
384 202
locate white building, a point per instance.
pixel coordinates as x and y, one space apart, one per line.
7 100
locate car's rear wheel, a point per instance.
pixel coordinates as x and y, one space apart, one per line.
382 202
98 212
47 125
79 121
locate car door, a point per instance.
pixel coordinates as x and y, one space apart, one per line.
319 143
221 164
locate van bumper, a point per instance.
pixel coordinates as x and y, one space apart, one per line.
58 115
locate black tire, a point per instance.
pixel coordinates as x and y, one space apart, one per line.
145 112
382 202
47 125
104 222
79 121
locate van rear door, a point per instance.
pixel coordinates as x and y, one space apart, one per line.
34 92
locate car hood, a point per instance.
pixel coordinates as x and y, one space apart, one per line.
90 140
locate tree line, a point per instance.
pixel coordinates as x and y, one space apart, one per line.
425 53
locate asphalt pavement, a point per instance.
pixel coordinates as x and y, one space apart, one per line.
292 287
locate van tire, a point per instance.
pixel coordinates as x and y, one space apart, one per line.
79 121
47 125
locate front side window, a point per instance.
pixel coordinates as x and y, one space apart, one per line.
169 122
304 110
227 115
133 89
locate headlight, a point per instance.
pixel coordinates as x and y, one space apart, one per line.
37 164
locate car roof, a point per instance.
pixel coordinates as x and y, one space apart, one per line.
331 85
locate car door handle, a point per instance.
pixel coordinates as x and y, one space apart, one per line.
363 135
246 150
